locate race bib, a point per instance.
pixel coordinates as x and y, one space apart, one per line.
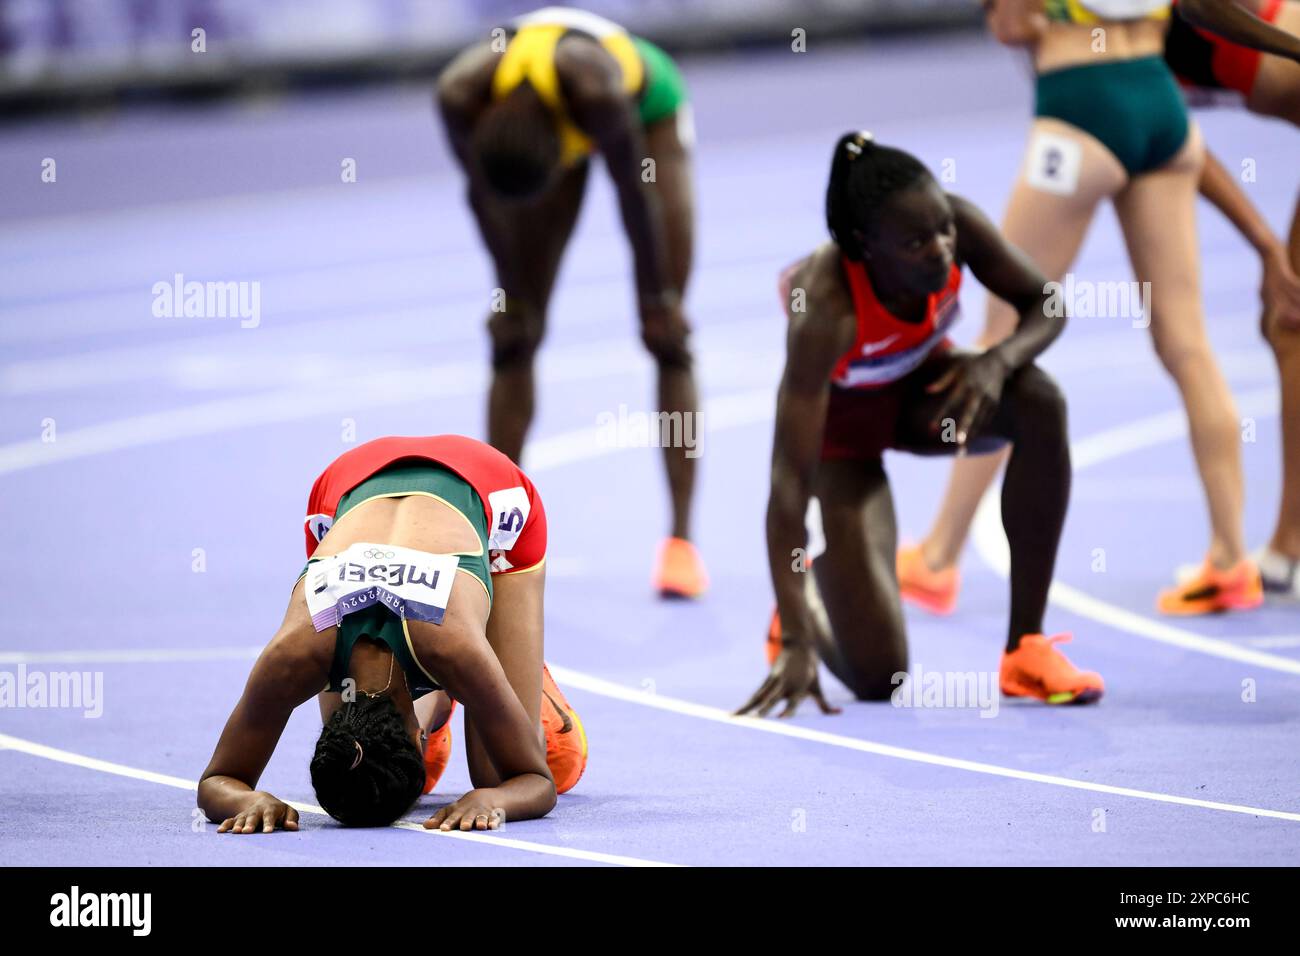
509 515
414 585
1054 163
318 525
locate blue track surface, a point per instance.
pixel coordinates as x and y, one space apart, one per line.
180 434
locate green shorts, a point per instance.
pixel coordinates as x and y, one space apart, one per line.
665 90
427 478
1134 107
378 623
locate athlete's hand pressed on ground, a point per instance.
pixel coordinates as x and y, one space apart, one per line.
793 678
263 815
974 386
477 810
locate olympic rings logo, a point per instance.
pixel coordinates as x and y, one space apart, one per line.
372 553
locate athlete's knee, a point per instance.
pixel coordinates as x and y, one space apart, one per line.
1184 358
670 346
1283 338
874 664
515 337
1039 404
881 682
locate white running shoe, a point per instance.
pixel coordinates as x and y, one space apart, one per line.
1281 574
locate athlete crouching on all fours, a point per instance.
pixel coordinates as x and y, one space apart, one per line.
869 368
423 588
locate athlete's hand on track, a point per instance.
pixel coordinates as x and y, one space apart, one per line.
477 810
974 386
1280 290
262 816
793 678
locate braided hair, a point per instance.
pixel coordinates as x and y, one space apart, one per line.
864 175
366 771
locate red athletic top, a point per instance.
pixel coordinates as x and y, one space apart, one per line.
513 508
887 348
1233 66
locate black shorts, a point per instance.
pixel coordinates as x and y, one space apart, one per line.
862 423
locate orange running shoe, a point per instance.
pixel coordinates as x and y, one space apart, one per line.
679 572
935 591
774 628
566 741
1037 669
774 637
437 752
1211 590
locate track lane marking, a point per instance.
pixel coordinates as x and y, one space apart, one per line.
34 749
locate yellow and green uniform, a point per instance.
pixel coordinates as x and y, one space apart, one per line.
1133 106
649 75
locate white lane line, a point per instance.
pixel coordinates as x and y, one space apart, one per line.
308 399
597 685
121 770
991 542
753 406
605 688
291 404
1279 641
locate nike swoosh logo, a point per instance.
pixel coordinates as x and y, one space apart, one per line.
871 348
568 721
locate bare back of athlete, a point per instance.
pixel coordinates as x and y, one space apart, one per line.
507 759
423 524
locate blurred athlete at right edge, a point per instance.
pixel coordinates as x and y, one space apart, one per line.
1111 124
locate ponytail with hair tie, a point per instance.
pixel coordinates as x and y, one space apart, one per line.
848 150
863 175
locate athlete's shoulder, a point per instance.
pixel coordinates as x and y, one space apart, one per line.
827 295
465 84
823 320
586 70
975 230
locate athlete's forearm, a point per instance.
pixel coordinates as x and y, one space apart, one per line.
1015 22
1041 321
1220 187
643 220
621 138
787 549
526 797
1241 26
